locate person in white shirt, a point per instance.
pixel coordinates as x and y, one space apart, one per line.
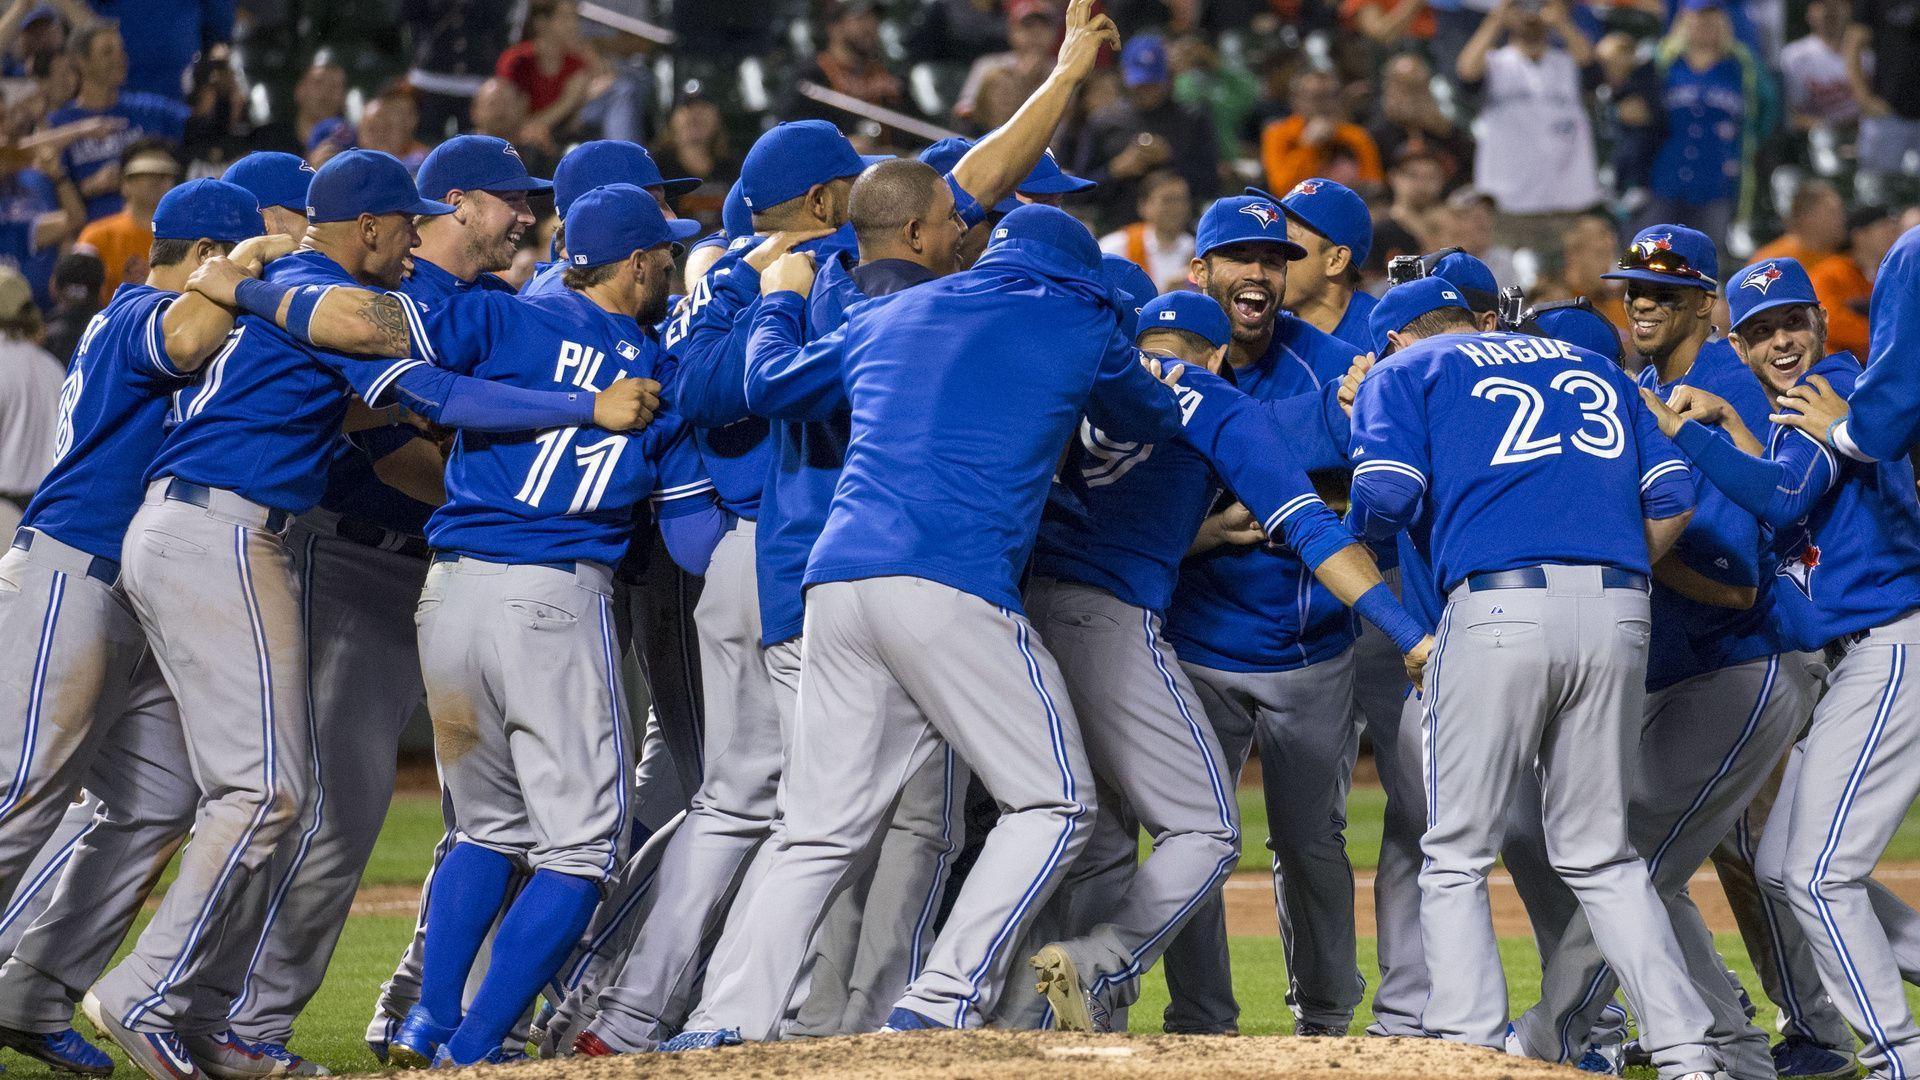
30 381
1161 242
1814 70
1535 153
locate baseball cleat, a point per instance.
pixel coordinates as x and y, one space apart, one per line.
499 1055
1075 1006
413 1045
380 1035
1318 1031
62 1051
159 1054
1805 1059
701 1040
291 1064
1632 1053
907 1020
1604 1060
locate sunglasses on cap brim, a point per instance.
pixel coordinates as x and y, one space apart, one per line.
1662 261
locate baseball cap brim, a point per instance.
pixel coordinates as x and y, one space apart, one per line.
531 183
678 186
1769 305
1655 277
1060 184
868 160
680 230
1294 251
426 208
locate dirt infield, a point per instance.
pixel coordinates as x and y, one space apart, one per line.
999 1055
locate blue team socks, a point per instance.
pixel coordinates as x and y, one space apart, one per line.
541 928
469 887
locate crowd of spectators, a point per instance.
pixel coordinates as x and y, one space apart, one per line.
1535 134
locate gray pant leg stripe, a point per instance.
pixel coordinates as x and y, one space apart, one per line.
49 623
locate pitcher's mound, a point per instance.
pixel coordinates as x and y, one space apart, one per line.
994 1055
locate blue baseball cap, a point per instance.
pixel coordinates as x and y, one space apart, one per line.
1472 277
1331 209
276 179
718 238
359 182
735 219
1144 60
1670 255
610 161
1051 227
945 154
1241 219
208 210
476 163
1769 284
1131 283
1404 303
792 157
1582 327
613 221
1046 177
1196 313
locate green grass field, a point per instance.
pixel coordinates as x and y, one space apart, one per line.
331 1030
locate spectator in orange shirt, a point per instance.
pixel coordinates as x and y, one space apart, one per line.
1816 225
148 170
1844 281
1307 143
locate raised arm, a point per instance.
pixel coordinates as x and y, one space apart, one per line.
1003 157
194 326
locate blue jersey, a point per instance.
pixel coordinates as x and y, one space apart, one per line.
710 338
1352 327
1721 542
549 278
113 409
1885 418
1521 450
263 419
146 115
1847 533
1258 608
962 392
564 494
1699 160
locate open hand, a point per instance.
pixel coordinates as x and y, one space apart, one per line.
1813 407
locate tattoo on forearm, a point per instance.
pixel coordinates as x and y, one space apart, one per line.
389 322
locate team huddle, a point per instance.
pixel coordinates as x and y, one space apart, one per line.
966 507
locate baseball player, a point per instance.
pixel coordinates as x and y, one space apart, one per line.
1332 223
249 453
1520 590
878 695
1269 652
1722 703
279 181
516 638
1097 594
361 559
80 686
591 165
1847 535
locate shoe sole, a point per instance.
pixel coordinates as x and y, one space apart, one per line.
26 1042
402 1056
138 1053
1059 982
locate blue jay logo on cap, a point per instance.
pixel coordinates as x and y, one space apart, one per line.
1762 278
627 350
512 153
1647 245
1264 213
1305 187
304 167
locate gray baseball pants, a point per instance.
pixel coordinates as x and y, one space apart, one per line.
216 594
1551 679
1707 745
895 665
529 718
1148 741
1302 722
1858 771
67 920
